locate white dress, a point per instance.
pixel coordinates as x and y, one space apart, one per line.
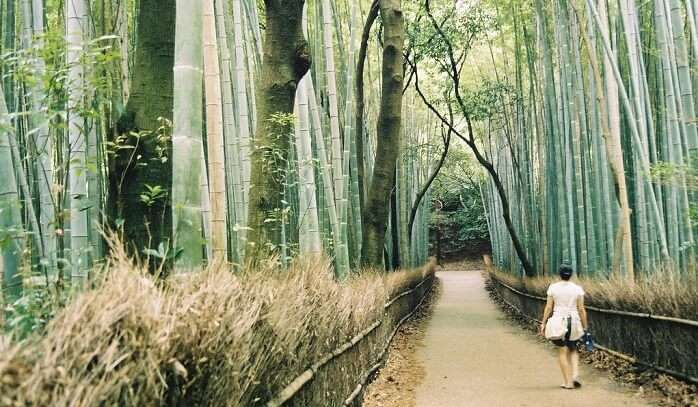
564 295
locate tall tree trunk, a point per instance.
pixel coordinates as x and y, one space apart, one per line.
144 159
286 60
375 214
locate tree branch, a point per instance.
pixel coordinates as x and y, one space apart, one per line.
427 185
470 141
360 101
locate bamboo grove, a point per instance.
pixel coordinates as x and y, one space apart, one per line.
158 120
594 134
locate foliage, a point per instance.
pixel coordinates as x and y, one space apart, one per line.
273 157
485 101
30 314
458 214
460 22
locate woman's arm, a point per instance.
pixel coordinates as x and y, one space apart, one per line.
582 311
546 313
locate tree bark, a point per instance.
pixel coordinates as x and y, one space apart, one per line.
146 225
395 261
375 214
286 60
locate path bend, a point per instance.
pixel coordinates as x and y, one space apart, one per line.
473 356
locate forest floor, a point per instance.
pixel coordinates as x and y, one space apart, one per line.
398 379
462 351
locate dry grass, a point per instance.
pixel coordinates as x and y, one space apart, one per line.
657 294
208 338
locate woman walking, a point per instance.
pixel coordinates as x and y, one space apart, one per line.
564 322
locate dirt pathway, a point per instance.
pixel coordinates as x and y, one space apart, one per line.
473 357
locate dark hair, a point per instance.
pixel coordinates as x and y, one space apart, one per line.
565 271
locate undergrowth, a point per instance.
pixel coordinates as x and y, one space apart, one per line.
212 337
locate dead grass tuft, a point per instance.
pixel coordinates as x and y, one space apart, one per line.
213 337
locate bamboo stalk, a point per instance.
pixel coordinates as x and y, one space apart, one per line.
186 134
11 226
214 129
76 19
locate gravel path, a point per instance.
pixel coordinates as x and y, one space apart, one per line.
473 357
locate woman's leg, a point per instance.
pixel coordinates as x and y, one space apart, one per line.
573 356
565 366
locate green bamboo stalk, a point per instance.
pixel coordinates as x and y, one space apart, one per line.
637 143
11 226
310 231
241 97
330 75
351 193
232 157
551 123
186 134
674 126
215 137
676 27
34 31
206 209
252 69
76 19
341 252
9 27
